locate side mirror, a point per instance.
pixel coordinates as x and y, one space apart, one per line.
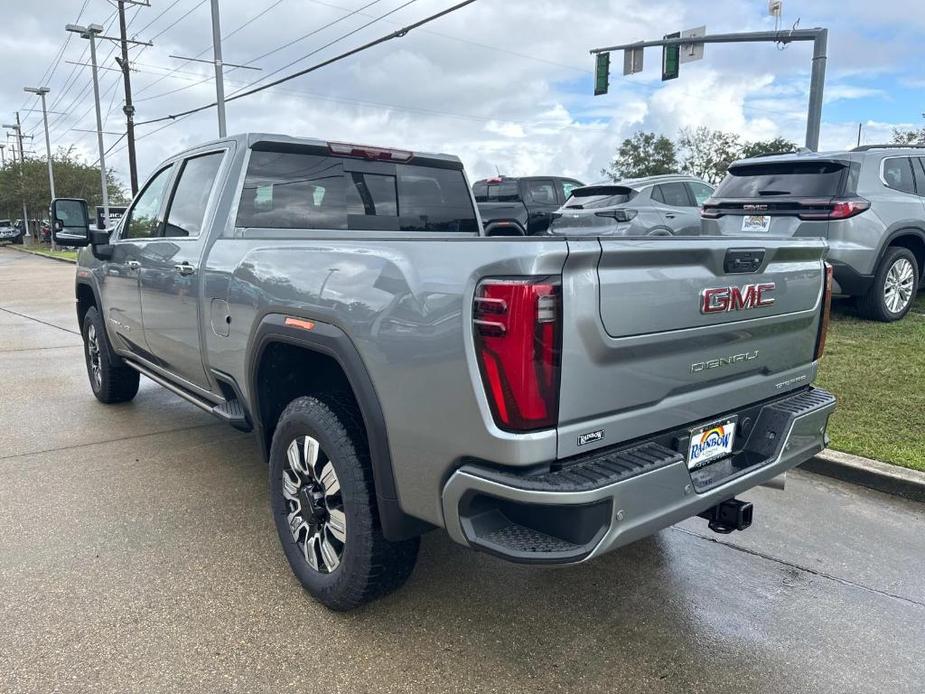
70 221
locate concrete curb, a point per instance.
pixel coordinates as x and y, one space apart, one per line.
865 472
42 255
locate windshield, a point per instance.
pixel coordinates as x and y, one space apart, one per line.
817 179
5 223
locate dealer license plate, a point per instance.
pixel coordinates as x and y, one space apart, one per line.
711 442
756 222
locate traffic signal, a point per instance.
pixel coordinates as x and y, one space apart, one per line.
671 58
601 73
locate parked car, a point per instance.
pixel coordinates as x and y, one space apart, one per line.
522 206
543 399
868 203
654 206
9 233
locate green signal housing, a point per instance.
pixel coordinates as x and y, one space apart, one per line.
601 73
671 58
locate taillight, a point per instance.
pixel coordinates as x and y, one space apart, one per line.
518 339
709 210
834 209
826 313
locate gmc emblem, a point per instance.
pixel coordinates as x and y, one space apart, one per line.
723 299
754 208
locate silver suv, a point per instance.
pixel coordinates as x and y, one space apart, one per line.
869 203
653 206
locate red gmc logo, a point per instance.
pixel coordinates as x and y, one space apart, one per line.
722 299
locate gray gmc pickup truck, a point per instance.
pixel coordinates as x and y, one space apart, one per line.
543 399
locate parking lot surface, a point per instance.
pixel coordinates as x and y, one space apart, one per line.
137 553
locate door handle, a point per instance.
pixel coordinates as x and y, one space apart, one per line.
133 264
670 215
184 269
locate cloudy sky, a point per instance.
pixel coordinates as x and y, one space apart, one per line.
505 84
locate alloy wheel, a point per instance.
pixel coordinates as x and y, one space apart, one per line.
93 350
314 504
898 287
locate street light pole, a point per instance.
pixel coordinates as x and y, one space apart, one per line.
219 77
91 32
42 91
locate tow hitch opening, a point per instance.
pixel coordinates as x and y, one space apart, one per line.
730 515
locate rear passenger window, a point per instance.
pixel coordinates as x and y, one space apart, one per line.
674 194
191 195
920 175
286 190
897 174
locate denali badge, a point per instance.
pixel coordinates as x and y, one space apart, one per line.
590 437
722 299
699 366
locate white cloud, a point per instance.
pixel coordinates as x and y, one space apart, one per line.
506 85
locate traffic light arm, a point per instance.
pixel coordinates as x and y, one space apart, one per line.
818 35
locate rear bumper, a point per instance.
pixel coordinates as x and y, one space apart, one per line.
615 496
848 280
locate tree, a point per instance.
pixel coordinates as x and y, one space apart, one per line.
909 136
644 154
779 145
73 179
708 153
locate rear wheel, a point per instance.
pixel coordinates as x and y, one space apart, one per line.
894 288
324 508
111 383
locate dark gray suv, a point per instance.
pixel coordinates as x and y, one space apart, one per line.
666 205
869 203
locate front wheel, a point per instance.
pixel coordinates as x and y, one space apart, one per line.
111 382
324 508
894 288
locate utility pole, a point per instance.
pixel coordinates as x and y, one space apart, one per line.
17 128
42 91
129 108
2 156
91 32
219 77
819 36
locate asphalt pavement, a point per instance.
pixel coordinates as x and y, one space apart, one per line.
137 553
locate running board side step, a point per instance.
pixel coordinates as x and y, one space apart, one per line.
230 411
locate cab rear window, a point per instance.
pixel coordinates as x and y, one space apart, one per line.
506 191
295 190
816 179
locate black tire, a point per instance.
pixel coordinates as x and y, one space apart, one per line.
874 305
113 381
368 566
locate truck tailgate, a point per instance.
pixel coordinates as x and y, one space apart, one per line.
660 334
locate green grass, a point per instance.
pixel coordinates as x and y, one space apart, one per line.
877 372
69 254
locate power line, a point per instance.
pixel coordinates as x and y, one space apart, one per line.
375 42
329 44
473 43
205 50
252 60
